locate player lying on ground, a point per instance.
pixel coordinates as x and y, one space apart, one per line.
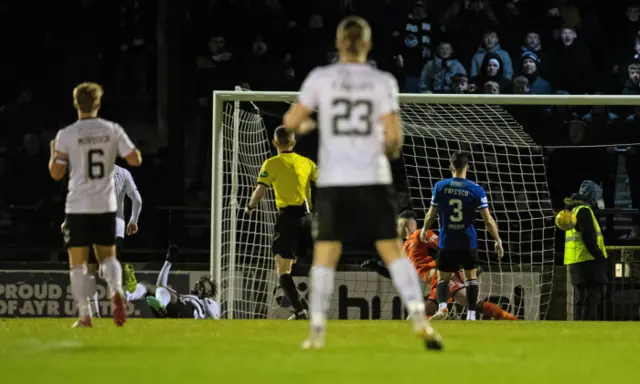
167 303
359 127
87 149
125 186
420 255
457 199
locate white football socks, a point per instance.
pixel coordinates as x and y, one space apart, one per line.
163 276
77 275
163 296
138 294
92 292
322 283
405 279
111 272
471 315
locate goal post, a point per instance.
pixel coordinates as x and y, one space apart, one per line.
505 161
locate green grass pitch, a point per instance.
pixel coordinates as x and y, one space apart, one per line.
230 352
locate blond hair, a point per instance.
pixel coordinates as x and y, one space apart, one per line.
353 35
87 97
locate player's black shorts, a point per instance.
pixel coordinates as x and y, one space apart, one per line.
451 260
358 214
119 242
86 229
293 225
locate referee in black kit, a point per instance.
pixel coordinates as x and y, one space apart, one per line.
290 175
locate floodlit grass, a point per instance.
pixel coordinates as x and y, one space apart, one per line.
186 351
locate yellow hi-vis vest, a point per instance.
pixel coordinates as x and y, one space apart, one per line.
574 249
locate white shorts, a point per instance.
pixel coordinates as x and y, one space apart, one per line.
120 227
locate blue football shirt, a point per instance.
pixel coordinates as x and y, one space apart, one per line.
457 201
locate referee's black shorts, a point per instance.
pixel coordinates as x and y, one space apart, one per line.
358 214
451 260
86 229
293 226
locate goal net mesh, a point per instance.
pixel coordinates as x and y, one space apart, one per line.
505 161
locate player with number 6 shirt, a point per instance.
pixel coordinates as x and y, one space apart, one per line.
87 149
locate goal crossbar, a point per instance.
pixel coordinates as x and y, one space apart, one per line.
419 98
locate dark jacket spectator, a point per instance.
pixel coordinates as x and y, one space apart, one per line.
627 31
418 35
533 44
632 85
529 68
491 44
438 73
492 70
572 68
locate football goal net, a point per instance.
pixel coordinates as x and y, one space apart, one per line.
505 161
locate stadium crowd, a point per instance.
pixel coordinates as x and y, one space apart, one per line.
437 46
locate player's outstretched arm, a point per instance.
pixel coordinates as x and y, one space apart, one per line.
492 227
131 190
429 219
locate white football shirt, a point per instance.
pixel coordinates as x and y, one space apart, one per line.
92 146
202 309
351 100
125 186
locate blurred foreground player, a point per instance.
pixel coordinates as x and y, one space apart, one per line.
457 199
165 302
88 148
584 252
290 175
419 253
360 127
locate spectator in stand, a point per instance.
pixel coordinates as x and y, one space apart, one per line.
491 44
562 14
491 88
417 45
628 56
572 65
460 84
464 22
437 74
529 68
492 69
517 17
216 67
257 62
627 31
532 44
520 86
632 85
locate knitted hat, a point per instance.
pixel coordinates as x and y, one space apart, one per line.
530 55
